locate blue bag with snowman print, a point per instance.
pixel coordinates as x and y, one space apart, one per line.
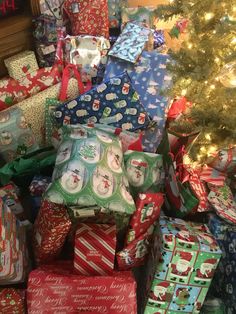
114 102
149 77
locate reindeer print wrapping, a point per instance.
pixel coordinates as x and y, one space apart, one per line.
89 170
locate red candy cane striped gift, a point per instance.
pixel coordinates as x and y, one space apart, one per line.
95 247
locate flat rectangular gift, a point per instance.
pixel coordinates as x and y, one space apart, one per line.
131 42
150 78
190 255
113 102
56 289
95 246
21 64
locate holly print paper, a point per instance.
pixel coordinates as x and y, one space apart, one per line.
89 171
150 78
130 43
114 102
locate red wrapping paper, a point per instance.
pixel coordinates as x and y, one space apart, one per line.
95 247
13 91
50 230
56 289
11 301
148 206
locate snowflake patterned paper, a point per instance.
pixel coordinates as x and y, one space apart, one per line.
131 42
149 78
113 102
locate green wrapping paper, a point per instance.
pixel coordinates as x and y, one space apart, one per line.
89 171
144 171
23 169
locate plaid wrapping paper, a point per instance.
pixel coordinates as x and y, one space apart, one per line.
95 247
21 64
50 230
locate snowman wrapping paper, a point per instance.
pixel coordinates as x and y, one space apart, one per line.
89 171
150 78
16 137
189 257
114 102
144 171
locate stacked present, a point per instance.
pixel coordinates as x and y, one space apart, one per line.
85 142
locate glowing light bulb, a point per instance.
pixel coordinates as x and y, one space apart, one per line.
190 46
212 149
208 136
233 41
217 59
184 92
208 16
212 86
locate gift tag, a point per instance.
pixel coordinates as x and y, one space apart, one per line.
75 7
48 49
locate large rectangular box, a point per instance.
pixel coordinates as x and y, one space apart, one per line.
189 257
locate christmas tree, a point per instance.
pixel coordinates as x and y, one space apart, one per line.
204 71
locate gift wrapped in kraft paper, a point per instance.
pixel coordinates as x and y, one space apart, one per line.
189 257
54 289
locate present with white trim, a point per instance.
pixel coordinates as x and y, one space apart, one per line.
95 246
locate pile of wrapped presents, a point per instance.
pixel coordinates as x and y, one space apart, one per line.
100 210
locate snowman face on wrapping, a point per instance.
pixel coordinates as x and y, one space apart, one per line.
104 137
103 182
114 159
5 138
136 175
182 265
64 152
124 188
74 178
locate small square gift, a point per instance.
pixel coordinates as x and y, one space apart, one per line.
189 257
21 64
95 246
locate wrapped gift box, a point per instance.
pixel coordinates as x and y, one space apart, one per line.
224 282
21 64
190 255
55 289
95 246
9 196
12 301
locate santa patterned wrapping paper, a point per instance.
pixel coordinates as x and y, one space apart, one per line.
225 161
56 289
131 42
224 281
88 17
16 136
189 257
12 301
149 77
13 91
50 230
21 64
95 246
89 171
88 53
114 102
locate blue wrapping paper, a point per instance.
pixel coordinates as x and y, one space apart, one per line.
114 102
224 282
131 42
149 78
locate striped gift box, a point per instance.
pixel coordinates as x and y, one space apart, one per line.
95 246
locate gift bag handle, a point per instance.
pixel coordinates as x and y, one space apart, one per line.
65 81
